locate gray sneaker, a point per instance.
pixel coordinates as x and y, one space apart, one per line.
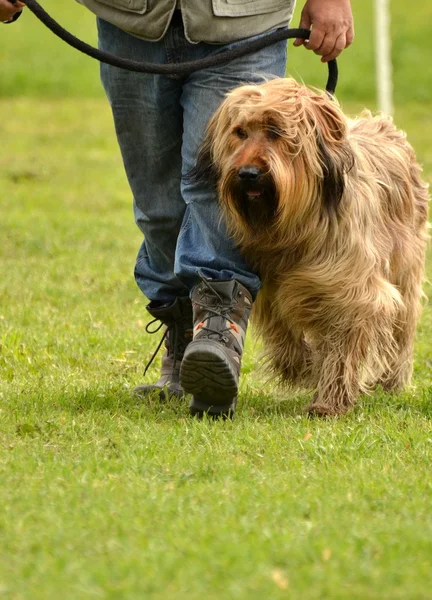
211 363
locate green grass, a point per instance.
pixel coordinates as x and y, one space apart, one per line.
103 496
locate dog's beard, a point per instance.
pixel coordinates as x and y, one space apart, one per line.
256 203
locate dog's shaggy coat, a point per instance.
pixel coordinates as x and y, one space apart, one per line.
333 215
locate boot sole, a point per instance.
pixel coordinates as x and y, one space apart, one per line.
199 409
207 374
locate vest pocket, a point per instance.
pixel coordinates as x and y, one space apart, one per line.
133 6
245 8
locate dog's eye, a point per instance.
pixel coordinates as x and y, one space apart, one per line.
274 133
240 133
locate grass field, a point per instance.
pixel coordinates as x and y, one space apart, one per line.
104 496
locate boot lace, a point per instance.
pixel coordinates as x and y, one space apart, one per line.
175 347
151 332
220 310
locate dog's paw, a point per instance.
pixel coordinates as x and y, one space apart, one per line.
318 408
313 411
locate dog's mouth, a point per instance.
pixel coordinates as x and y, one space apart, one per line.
262 191
262 187
256 202
254 194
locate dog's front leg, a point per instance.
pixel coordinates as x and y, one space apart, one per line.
291 357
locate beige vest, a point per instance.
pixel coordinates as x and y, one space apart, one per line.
212 21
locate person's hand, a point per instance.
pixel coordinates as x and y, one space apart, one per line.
332 26
7 10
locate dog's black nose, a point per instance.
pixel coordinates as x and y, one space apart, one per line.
249 173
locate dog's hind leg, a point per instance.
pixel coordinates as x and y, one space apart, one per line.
407 218
400 368
356 352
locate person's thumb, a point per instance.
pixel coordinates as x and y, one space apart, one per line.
305 23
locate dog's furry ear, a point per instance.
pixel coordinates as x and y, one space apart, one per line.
205 170
335 165
335 155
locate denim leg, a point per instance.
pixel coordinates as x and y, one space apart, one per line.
148 119
204 246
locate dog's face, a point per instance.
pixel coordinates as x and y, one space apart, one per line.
277 150
247 176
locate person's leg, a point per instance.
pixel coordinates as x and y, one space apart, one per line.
148 119
207 260
149 124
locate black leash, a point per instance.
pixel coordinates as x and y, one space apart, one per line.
222 58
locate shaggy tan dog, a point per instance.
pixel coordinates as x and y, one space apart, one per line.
333 215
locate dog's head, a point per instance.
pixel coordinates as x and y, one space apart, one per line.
277 151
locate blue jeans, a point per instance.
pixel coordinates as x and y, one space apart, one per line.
160 122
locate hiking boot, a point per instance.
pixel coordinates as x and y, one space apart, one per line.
177 318
210 369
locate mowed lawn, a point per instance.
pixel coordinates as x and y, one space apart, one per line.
105 496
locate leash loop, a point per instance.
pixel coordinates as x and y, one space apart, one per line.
182 69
